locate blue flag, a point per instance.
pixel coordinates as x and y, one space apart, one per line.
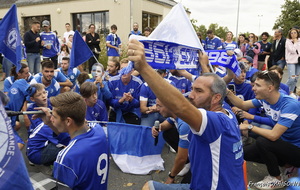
80 52
220 57
132 148
10 39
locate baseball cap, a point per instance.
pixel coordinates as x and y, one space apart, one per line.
248 58
45 23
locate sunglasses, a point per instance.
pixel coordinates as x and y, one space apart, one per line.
267 73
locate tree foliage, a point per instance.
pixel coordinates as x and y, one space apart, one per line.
219 31
290 16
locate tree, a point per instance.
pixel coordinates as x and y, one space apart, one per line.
219 31
290 16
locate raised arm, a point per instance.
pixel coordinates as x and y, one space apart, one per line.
175 103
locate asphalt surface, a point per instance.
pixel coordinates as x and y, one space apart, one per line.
119 180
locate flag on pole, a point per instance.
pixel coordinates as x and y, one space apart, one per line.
10 39
132 148
171 45
80 52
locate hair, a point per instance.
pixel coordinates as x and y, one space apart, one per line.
269 77
66 58
124 60
70 104
87 89
70 35
82 77
254 36
253 77
47 64
218 85
289 34
148 29
209 32
91 25
135 23
277 68
67 49
230 33
266 34
239 43
13 71
36 22
67 24
100 65
114 27
36 87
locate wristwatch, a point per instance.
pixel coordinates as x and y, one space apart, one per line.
250 127
172 177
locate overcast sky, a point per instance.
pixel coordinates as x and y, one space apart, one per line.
224 13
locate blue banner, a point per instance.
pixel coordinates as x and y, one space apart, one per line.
10 39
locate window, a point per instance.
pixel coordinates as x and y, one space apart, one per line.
81 22
150 20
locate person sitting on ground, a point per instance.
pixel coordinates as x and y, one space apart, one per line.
84 163
279 71
64 69
43 146
96 109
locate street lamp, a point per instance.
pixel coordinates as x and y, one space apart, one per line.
237 21
259 18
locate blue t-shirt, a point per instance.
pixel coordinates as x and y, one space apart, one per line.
285 88
285 112
233 44
182 84
117 88
114 40
72 76
10 80
244 91
251 72
53 89
183 130
212 44
103 93
97 112
216 153
79 171
50 38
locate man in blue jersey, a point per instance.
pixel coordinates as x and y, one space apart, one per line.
179 142
113 43
212 42
181 83
84 163
50 43
96 109
52 86
135 30
125 104
72 76
279 146
215 150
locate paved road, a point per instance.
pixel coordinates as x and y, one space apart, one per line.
119 180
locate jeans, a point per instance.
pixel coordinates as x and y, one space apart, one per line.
34 62
6 66
294 71
149 119
280 63
153 185
49 154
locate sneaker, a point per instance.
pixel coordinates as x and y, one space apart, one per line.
269 182
30 163
185 169
289 172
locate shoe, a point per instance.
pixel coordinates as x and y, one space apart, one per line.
289 172
269 182
30 163
172 150
185 169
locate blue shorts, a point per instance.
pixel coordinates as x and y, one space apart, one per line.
153 185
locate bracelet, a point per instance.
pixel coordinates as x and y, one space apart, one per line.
170 176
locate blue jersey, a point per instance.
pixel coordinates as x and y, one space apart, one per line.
216 153
40 137
183 130
97 112
10 80
132 32
103 93
51 39
182 84
53 89
117 88
212 44
285 88
233 45
72 76
84 163
35 122
244 91
17 95
114 40
285 112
